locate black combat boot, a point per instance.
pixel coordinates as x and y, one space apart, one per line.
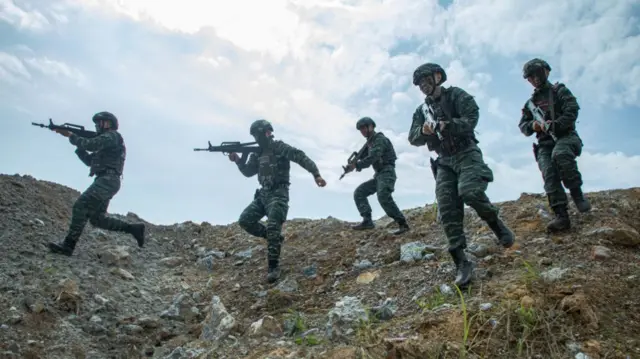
582 203
273 259
464 267
273 273
366 223
504 234
65 247
137 231
561 221
403 227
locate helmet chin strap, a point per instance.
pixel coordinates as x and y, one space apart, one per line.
264 139
432 84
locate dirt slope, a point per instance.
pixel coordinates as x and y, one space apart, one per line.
198 291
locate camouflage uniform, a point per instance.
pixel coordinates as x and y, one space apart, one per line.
106 162
462 176
381 155
556 158
272 165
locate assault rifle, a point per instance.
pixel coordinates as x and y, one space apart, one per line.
77 129
538 115
231 146
430 118
355 156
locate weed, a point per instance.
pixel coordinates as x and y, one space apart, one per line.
434 300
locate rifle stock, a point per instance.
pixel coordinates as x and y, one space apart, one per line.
76 129
231 146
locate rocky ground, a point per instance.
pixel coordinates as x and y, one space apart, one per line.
198 291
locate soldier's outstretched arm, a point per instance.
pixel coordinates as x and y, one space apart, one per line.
416 137
526 122
468 109
102 141
298 156
374 153
84 156
569 110
249 168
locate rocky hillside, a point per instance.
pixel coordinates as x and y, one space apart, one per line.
198 291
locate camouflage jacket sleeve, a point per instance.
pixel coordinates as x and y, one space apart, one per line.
465 105
568 110
84 156
102 141
416 137
298 156
249 168
526 122
378 146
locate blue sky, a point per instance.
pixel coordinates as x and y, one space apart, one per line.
179 74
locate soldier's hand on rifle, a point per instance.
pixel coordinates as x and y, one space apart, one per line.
351 166
63 132
320 181
233 157
428 129
537 127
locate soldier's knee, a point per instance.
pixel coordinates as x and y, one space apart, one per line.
384 195
470 195
94 220
244 221
359 194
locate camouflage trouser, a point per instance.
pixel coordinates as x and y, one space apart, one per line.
558 165
463 179
274 204
382 184
92 206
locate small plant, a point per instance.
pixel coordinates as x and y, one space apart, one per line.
309 340
434 300
364 331
295 323
466 324
530 274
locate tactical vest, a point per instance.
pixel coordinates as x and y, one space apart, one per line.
450 144
388 156
273 169
111 158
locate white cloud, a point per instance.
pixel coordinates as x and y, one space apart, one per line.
313 67
56 69
24 19
12 70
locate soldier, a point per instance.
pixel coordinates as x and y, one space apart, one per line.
381 155
462 176
272 165
106 162
558 145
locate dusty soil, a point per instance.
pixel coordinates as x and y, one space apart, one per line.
199 291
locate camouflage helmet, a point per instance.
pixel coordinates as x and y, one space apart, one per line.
260 127
427 70
104 115
532 65
365 121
